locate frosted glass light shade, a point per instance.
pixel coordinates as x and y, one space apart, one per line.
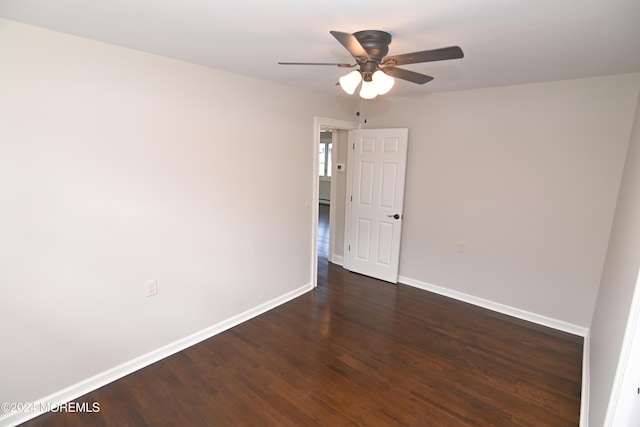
350 82
383 82
368 90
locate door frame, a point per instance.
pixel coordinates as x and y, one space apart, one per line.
318 123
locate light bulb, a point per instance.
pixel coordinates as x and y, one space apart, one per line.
350 82
368 90
383 82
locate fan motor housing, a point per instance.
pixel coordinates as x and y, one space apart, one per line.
375 42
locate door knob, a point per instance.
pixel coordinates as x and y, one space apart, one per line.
396 216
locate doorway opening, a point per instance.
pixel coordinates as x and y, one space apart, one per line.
327 181
326 237
332 189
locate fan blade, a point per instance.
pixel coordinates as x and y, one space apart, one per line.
412 76
451 52
318 63
352 44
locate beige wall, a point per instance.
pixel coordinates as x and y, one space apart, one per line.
617 285
527 176
118 167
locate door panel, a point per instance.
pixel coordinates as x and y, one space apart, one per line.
379 160
365 196
389 174
364 239
385 233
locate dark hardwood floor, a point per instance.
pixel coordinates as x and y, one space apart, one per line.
355 351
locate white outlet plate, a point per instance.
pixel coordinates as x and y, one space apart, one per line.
462 247
152 287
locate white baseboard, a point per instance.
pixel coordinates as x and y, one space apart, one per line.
337 259
500 308
586 382
93 383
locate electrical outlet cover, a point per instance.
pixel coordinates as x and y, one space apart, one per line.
152 287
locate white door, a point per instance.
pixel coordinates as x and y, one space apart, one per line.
377 166
624 407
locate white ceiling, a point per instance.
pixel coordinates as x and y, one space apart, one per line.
504 41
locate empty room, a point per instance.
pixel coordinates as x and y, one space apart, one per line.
319 213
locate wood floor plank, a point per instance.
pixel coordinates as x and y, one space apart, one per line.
355 351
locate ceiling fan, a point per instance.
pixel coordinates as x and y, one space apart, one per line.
376 70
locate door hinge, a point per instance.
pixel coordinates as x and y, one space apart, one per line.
354 145
349 248
351 199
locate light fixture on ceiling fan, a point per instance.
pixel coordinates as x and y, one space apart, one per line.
377 70
373 84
